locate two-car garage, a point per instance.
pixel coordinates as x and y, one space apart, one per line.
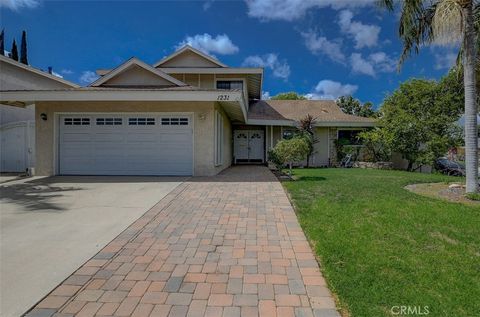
125 144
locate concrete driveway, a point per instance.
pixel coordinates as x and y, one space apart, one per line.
50 226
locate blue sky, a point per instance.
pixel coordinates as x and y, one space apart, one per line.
321 48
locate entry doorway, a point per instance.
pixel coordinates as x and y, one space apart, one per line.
248 146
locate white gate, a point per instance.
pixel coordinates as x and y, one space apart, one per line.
249 146
17 149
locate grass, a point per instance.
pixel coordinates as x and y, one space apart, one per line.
380 245
473 196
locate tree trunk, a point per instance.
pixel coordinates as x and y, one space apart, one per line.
471 132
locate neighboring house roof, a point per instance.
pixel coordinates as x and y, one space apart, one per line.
185 49
9 80
128 66
325 112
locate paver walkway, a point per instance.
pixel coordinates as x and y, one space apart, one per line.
228 245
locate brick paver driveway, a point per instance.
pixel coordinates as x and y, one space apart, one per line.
228 245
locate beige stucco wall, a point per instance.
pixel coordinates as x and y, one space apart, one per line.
13 77
227 140
203 129
189 59
136 75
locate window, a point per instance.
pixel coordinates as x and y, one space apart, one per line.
174 121
218 139
76 121
230 84
109 121
349 137
141 121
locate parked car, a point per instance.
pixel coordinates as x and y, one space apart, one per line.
449 167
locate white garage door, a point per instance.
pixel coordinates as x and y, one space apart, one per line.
126 144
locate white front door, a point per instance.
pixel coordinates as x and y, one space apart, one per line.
248 146
126 144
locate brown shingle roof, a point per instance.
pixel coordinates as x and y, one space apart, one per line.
321 110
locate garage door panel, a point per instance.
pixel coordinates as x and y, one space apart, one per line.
113 136
124 148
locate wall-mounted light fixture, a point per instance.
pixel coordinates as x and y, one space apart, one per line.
43 116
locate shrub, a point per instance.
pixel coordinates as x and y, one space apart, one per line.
292 151
275 159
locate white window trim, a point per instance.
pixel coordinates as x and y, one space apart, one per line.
218 138
245 88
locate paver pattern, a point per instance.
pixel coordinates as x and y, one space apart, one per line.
228 245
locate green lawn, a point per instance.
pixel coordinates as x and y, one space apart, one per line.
380 245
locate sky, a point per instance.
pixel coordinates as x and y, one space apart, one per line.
319 48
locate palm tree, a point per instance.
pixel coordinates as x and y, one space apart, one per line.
447 22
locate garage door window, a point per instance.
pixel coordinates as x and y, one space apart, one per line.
76 121
109 121
174 121
141 121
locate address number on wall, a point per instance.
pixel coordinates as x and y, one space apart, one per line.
223 97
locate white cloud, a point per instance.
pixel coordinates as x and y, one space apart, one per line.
266 95
329 89
321 45
376 62
66 71
18 4
207 4
221 44
360 65
280 69
290 10
56 74
88 77
446 60
364 35
383 62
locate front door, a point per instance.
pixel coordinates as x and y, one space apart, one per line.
248 146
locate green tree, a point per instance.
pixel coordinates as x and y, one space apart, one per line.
23 49
2 42
353 106
14 52
419 121
291 95
291 151
447 22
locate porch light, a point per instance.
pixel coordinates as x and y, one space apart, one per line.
43 116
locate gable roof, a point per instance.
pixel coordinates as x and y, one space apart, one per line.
36 71
135 62
190 49
324 111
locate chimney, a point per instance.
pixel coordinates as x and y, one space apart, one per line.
50 69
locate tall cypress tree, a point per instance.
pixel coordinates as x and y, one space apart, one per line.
14 51
23 49
2 42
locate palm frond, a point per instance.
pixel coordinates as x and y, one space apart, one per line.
447 23
386 4
415 27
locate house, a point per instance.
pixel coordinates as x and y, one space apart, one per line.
17 124
187 114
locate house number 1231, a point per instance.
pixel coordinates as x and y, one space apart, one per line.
223 97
